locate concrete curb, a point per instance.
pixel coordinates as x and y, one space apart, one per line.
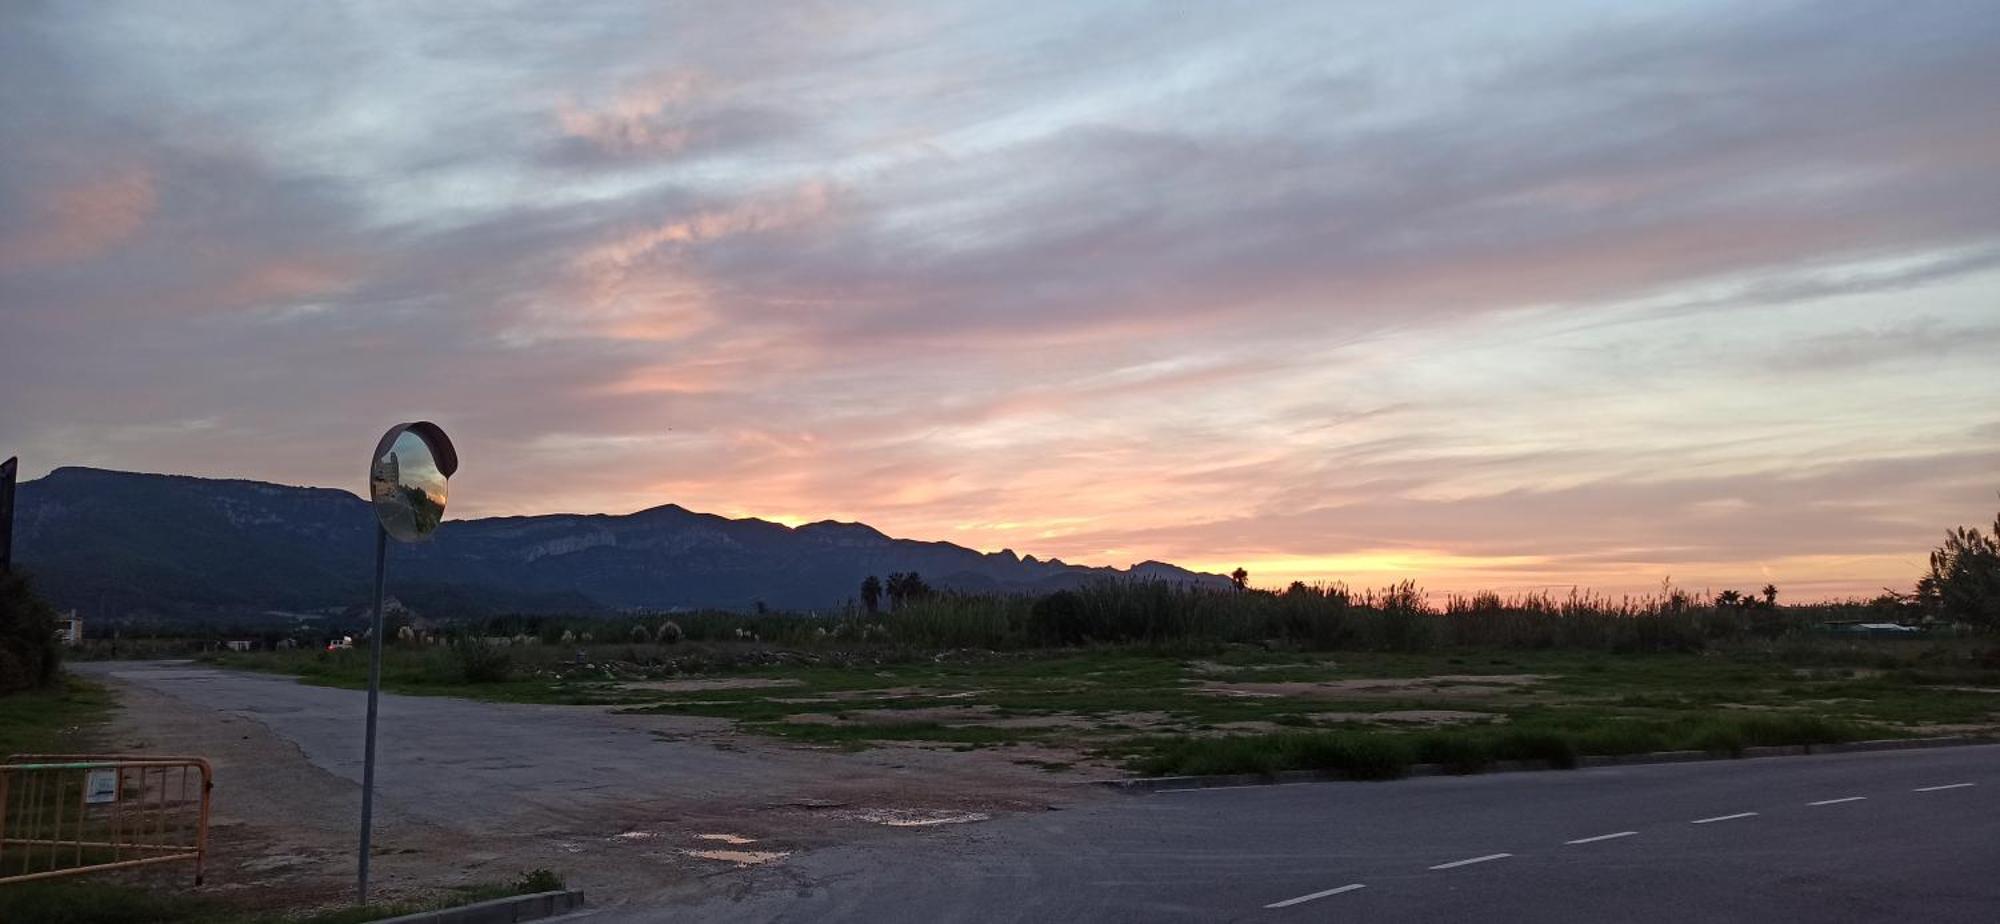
1158 783
500 910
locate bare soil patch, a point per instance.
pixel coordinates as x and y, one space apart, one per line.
1411 717
707 684
1453 685
983 717
284 829
1217 667
886 693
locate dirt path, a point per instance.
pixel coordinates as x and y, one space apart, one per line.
471 792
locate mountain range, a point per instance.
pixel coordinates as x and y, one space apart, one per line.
135 545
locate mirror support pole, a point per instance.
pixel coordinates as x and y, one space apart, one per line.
374 689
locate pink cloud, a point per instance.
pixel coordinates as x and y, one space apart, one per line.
77 221
650 117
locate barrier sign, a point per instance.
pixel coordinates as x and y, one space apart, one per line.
100 787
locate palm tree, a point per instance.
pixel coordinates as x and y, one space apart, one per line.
871 593
1770 595
1240 578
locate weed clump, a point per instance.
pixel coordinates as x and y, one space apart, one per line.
479 662
538 880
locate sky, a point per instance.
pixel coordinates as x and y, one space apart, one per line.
1511 296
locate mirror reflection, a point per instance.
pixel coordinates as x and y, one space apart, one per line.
407 488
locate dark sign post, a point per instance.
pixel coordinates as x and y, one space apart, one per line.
7 470
406 483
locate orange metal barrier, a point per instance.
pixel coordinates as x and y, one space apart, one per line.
66 814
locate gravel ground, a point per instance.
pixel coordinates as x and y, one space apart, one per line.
470 792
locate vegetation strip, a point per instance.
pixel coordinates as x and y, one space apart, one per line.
1168 784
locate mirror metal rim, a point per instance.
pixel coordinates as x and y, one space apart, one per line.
431 434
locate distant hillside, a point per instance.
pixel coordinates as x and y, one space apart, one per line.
175 546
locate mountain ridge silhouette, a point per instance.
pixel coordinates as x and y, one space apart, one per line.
136 544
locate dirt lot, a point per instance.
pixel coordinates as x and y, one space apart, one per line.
621 805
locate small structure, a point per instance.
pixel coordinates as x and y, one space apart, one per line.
69 628
1871 629
239 644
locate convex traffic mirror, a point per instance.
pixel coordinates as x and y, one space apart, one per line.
406 479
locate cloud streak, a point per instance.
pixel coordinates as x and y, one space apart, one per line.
1338 293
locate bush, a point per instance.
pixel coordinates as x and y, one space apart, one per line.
670 633
479 662
538 880
1964 580
30 656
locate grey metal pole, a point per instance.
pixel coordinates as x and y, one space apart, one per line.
374 689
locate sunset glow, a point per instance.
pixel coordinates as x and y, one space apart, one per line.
1564 295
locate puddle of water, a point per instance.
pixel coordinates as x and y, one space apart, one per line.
733 839
739 857
917 818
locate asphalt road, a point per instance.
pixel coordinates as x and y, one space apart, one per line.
1901 836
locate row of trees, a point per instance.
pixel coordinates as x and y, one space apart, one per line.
1736 599
902 587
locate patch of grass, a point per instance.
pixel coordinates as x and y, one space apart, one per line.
425 671
52 721
1732 735
1356 755
78 902
529 883
1586 702
83 901
1455 753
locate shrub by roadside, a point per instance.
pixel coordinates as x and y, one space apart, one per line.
30 658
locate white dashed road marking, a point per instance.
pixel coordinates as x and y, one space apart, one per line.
1703 821
1600 837
1458 863
1287 903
